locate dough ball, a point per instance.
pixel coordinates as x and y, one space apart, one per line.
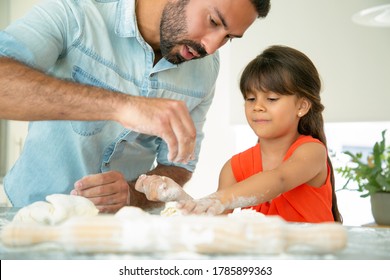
58 208
130 212
67 206
37 212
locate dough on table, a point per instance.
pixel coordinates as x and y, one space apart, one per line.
128 212
239 212
171 210
58 208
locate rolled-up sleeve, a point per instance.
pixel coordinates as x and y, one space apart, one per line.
39 39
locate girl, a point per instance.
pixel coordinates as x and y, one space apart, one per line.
288 172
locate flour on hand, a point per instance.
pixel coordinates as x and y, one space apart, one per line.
58 208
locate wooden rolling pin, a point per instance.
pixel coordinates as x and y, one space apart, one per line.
221 234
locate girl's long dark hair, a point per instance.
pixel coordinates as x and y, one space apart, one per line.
288 71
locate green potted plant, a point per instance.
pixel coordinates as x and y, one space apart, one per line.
372 178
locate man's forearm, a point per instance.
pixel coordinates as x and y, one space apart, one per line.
178 174
28 94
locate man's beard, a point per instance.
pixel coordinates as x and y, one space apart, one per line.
173 30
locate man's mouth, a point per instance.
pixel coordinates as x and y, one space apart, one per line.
194 52
188 53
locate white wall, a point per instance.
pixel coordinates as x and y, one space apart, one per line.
4 14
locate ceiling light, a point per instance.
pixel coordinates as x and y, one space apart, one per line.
378 16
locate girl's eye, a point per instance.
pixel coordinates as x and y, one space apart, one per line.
250 99
272 99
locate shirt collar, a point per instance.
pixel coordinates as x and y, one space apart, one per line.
126 22
126 26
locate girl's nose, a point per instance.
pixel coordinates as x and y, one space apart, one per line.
258 106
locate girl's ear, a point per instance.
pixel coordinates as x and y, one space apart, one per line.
304 106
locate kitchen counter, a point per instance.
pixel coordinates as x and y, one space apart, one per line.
364 243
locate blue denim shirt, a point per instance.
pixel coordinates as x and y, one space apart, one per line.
96 42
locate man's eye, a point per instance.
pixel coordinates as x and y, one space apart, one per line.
213 22
227 39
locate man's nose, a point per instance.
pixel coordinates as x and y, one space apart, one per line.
212 42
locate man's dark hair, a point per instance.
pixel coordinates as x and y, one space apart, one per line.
262 7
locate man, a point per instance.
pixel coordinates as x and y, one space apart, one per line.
114 89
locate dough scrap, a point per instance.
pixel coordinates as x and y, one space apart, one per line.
57 209
171 210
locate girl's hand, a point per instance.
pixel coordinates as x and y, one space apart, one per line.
160 188
209 205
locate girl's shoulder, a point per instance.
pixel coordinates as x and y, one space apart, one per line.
303 139
307 138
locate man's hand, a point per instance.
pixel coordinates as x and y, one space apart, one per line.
160 188
166 118
108 191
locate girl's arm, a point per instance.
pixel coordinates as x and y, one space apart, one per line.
226 179
306 165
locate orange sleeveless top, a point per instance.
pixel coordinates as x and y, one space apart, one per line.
303 203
